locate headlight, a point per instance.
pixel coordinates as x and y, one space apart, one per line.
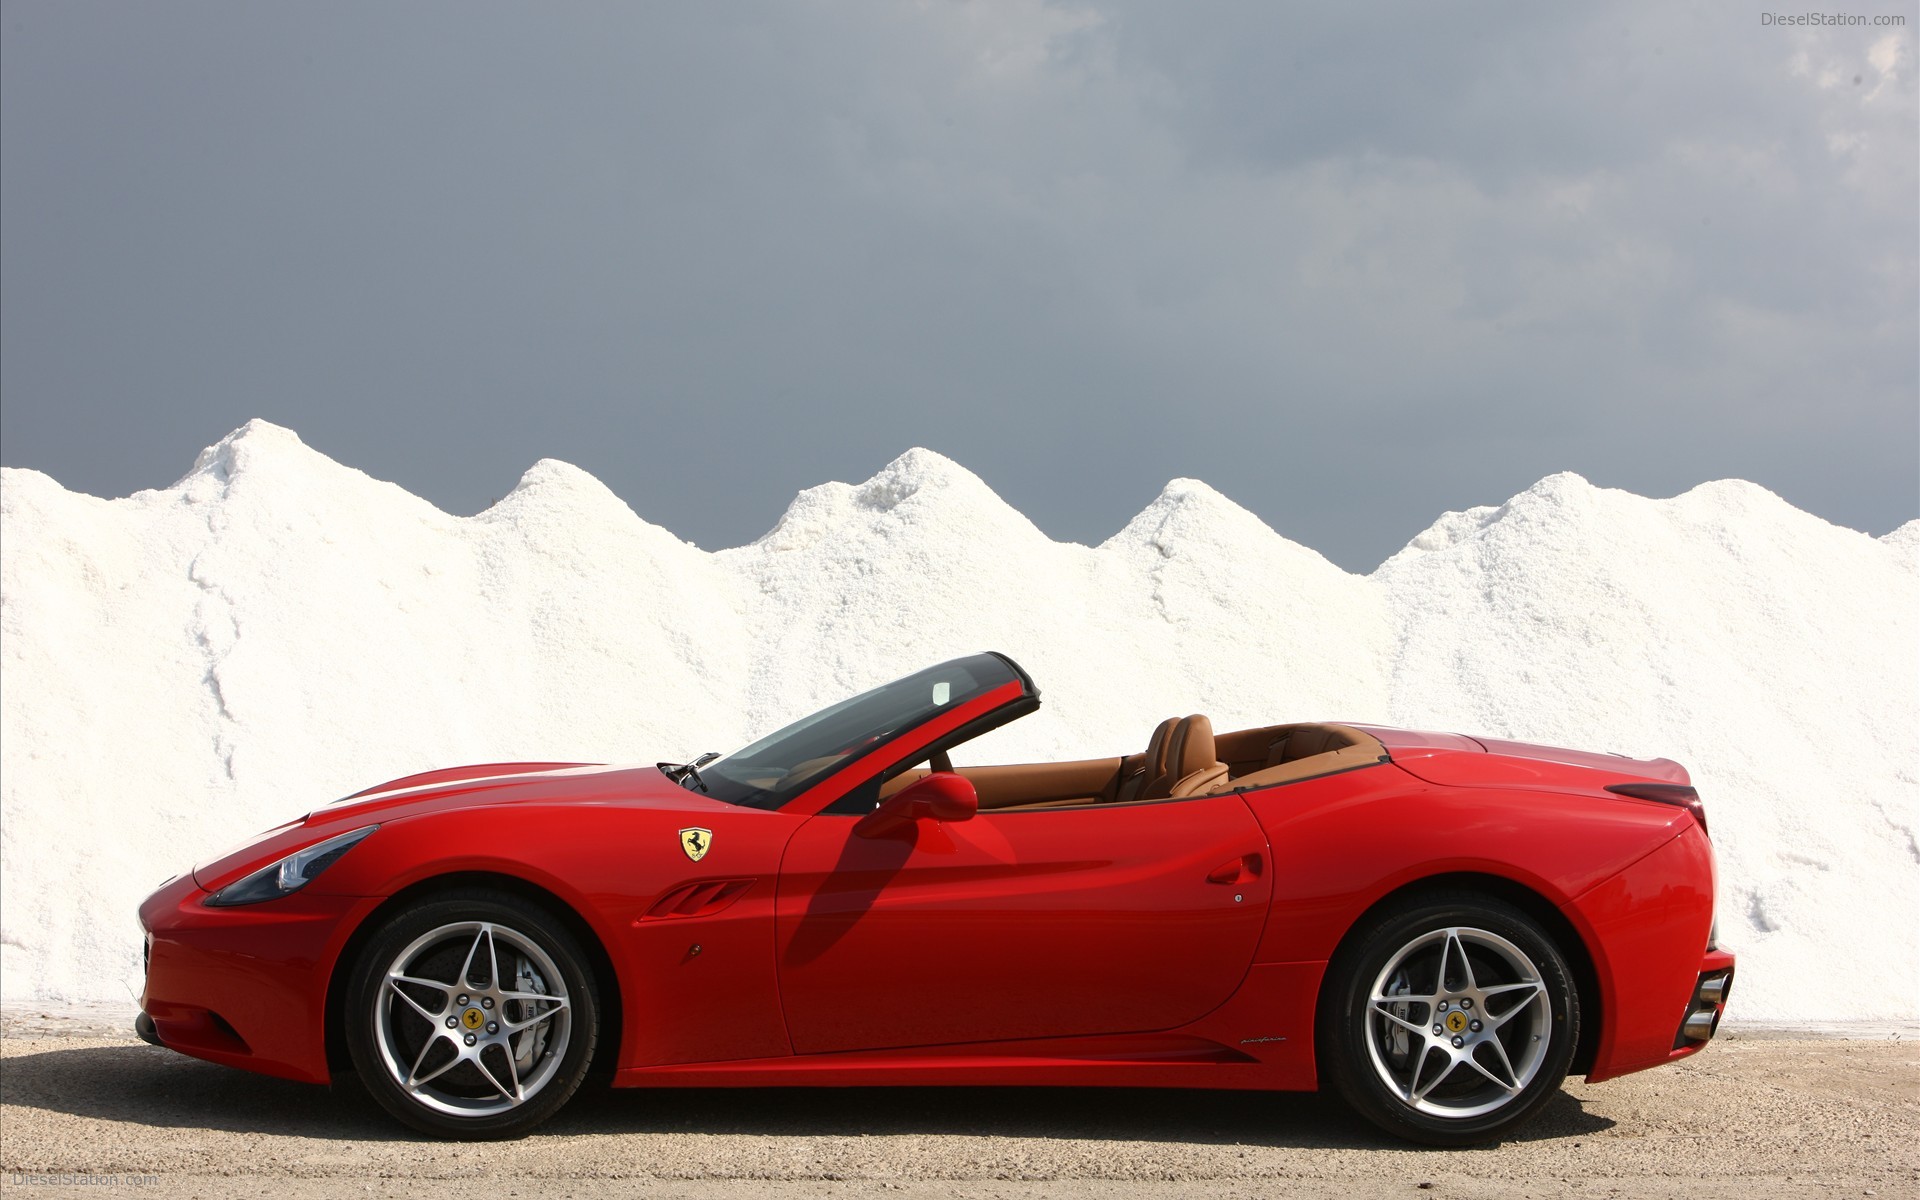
290 874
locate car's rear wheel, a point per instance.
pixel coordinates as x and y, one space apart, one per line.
472 1015
1449 1019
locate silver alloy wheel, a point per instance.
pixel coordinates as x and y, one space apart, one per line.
1458 1022
472 1019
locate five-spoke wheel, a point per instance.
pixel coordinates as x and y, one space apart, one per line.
473 1015
1449 1019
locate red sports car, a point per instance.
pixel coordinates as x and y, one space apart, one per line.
1438 927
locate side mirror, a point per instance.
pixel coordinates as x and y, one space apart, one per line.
942 796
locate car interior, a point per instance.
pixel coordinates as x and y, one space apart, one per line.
1184 758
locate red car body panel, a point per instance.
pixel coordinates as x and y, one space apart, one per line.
1170 943
1017 925
1344 842
612 868
245 988
1646 925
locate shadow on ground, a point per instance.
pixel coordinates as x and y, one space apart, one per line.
145 1085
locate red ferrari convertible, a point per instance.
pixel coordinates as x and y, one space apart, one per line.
1440 928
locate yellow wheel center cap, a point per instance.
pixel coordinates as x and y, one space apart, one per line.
473 1018
1456 1021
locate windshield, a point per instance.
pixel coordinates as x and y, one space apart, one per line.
784 763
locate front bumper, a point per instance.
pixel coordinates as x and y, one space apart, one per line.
244 986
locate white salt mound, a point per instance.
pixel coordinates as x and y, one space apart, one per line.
184 667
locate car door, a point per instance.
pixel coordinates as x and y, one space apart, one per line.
1038 923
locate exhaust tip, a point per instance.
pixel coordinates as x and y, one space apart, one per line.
1700 1024
1703 1014
1713 988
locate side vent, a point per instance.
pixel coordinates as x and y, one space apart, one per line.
701 899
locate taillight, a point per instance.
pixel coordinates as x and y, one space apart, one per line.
1666 793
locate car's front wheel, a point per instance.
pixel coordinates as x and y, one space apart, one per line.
1449 1019
472 1015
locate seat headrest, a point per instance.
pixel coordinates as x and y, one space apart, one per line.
1192 747
1156 764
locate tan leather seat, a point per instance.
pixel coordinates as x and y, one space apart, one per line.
1192 765
1153 765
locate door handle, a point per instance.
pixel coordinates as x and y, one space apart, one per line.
1244 869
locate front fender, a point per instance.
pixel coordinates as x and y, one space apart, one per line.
697 987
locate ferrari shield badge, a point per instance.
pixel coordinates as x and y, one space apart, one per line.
696 842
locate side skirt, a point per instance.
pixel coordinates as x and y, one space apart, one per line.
1260 1039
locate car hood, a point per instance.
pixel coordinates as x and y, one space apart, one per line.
480 785
512 783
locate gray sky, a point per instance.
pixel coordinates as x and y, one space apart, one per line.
1351 266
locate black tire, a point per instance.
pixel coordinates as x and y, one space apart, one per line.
1428 1067
443 1044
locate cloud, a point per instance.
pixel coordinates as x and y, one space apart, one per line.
1351 266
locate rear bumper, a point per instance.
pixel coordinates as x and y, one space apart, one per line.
1650 926
245 986
1709 1003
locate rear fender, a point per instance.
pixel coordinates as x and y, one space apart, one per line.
1343 842
1649 929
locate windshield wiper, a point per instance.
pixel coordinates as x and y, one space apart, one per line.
681 772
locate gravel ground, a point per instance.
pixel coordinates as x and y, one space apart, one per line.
1760 1114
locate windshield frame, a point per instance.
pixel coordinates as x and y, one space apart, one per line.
880 733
